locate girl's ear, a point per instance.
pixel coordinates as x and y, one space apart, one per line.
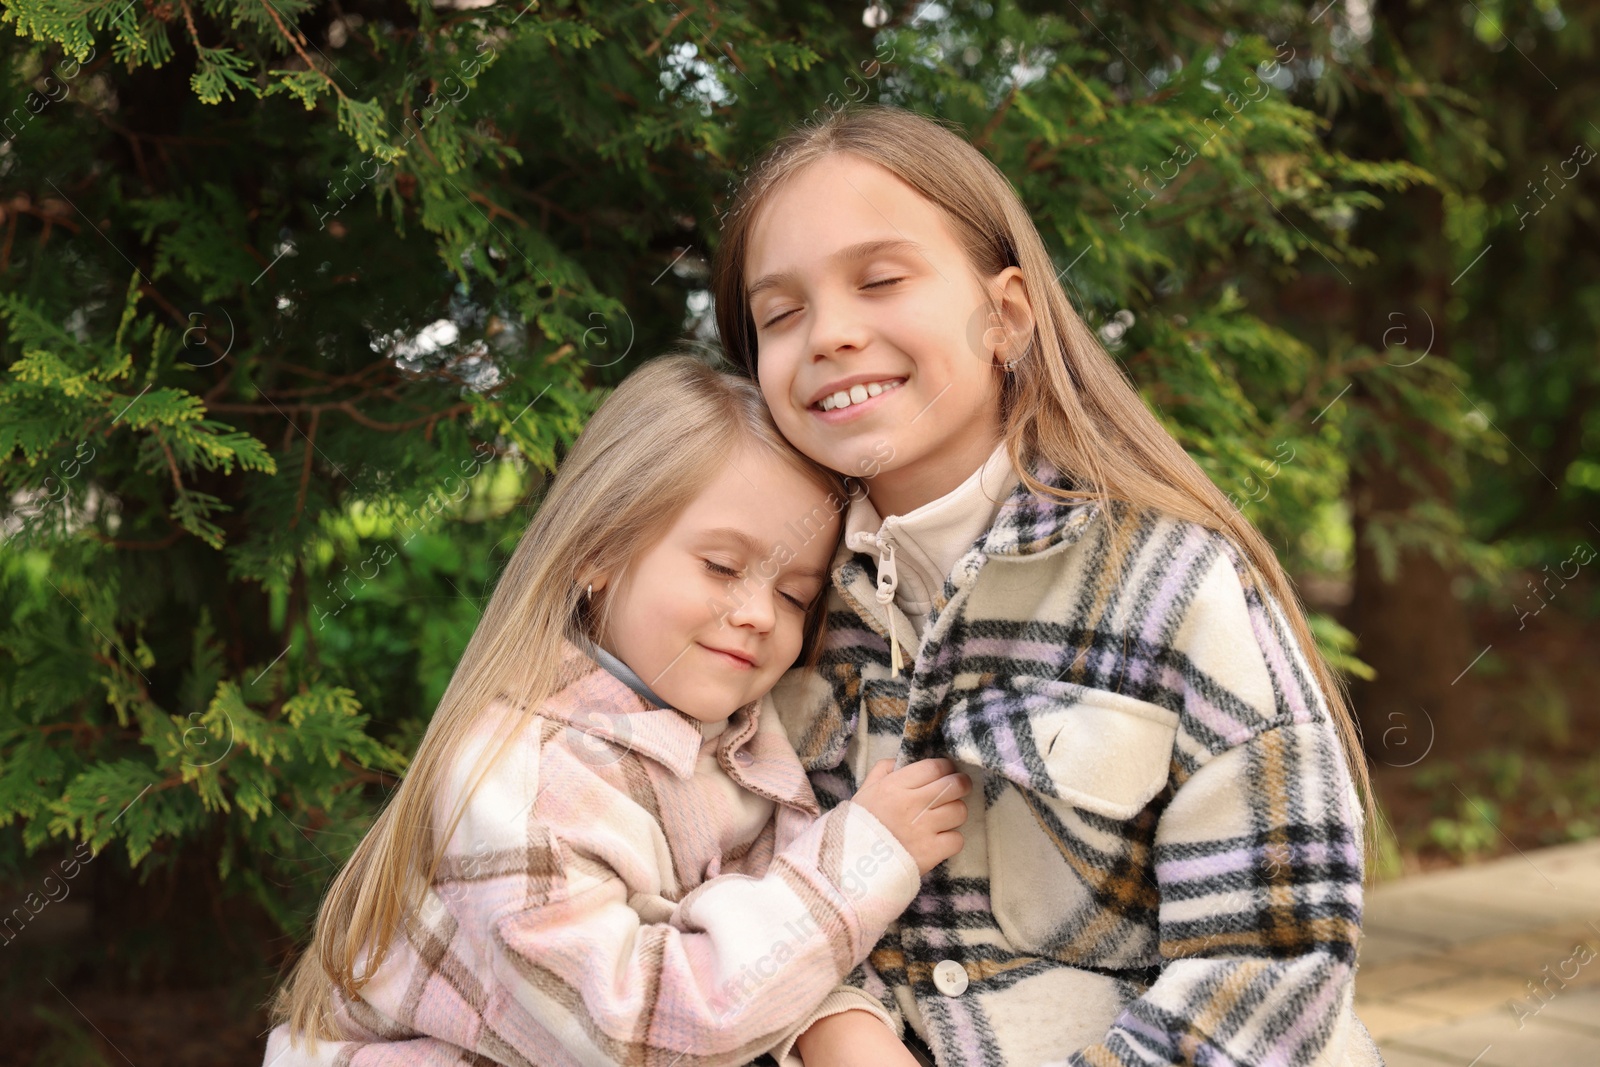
1010 293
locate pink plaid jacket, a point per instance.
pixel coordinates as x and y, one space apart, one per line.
588 911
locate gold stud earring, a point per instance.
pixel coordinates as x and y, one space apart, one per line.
1011 364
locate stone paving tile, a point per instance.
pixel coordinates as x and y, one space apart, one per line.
1528 953
1393 1057
1383 948
1542 1042
1386 980
1579 1008
1534 906
1439 919
1496 965
1386 1019
1466 995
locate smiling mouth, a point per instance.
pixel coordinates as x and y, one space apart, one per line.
859 393
733 659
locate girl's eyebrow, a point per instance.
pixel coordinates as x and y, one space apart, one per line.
856 251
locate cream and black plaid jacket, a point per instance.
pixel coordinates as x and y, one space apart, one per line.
1163 862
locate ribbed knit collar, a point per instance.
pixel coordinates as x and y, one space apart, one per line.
930 539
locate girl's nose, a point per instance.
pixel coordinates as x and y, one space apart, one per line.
836 326
756 610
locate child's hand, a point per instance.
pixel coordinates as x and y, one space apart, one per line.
920 804
852 1039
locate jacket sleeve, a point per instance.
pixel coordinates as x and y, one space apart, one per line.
314 1052
851 994
1257 858
733 970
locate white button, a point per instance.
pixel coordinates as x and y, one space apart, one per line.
950 978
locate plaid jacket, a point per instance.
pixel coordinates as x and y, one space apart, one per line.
592 909
1163 863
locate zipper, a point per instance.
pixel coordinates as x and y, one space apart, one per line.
888 582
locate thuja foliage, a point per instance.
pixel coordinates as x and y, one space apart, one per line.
302 302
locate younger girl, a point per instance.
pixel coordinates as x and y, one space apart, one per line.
605 850
1041 584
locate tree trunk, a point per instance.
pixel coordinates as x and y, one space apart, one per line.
1412 627
1413 631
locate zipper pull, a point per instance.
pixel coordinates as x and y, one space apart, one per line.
888 581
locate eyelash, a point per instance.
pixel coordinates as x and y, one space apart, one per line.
870 285
729 573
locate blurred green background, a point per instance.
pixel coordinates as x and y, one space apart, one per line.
301 301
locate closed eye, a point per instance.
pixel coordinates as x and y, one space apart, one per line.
869 285
720 571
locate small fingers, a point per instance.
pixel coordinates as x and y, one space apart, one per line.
881 769
918 774
945 816
946 787
947 843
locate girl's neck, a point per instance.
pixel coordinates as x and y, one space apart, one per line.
905 489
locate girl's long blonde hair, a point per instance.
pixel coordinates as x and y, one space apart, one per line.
1066 400
654 444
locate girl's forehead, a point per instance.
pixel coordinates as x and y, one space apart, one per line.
757 502
750 478
834 203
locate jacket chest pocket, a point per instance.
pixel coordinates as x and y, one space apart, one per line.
1069 819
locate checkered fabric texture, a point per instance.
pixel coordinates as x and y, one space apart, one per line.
593 907
1163 860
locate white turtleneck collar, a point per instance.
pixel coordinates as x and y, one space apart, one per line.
916 551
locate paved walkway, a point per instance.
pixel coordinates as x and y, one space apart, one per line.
1495 965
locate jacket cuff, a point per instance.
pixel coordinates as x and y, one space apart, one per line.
875 873
844 998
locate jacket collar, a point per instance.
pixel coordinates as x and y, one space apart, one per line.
593 701
752 748
1029 524
1025 524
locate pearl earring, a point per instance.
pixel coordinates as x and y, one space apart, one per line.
590 594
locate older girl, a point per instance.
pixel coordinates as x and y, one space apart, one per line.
605 850
1166 867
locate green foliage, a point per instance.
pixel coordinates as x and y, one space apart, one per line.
1479 801
1503 265
280 278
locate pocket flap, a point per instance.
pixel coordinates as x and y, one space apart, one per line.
1097 750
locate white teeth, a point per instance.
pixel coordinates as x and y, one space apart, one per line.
855 395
